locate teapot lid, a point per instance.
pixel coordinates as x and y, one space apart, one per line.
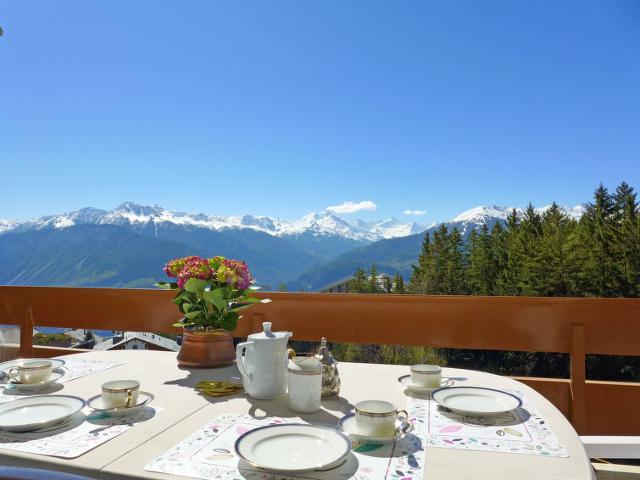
267 334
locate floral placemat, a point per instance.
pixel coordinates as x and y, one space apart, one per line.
521 431
85 431
81 367
209 453
73 368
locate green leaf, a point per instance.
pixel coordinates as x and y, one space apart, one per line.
179 324
195 285
186 306
193 315
249 300
229 321
216 298
164 285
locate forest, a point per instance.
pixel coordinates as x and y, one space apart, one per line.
531 254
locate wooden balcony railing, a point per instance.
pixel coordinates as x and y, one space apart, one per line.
577 326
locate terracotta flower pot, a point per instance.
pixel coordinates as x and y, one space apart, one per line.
206 349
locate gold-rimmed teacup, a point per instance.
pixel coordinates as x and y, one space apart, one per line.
31 371
377 418
120 393
427 376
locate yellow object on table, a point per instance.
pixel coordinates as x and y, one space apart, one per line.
219 389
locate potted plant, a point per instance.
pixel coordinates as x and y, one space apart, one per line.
210 293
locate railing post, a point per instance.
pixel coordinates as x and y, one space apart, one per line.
577 363
26 334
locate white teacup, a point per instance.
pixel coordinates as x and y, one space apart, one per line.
31 371
120 393
428 376
377 418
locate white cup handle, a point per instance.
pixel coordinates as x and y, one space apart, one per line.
240 349
13 372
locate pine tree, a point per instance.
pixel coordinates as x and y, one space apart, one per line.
509 278
398 284
454 281
419 282
599 274
373 280
387 286
529 248
627 240
481 273
555 261
499 254
359 282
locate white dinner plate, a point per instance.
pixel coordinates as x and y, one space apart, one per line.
56 375
348 425
95 403
405 381
34 413
293 447
476 400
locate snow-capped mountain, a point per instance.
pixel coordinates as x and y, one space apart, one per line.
132 214
6 225
482 214
390 227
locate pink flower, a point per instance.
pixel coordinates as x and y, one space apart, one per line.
196 267
173 267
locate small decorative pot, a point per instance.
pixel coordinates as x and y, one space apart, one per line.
206 349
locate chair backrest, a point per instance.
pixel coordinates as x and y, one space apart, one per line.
19 473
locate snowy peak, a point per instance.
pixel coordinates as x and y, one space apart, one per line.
391 228
489 215
482 213
6 225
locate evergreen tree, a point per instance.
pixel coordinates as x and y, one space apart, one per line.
373 280
455 281
528 247
398 284
599 273
499 254
481 273
509 278
359 282
418 276
388 286
627 240
555 261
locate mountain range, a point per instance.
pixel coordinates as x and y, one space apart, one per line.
127 246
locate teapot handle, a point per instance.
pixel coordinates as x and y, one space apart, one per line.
240 349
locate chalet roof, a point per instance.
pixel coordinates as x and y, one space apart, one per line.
152 338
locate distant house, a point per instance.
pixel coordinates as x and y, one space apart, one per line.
340 286
82 338
137 341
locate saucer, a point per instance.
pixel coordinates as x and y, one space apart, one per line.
348 426
405 381
56 375
96 404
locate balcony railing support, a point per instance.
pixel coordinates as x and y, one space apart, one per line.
577 362
26 334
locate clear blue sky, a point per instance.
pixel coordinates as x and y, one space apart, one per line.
285 107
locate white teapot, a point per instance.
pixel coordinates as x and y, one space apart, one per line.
264 365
